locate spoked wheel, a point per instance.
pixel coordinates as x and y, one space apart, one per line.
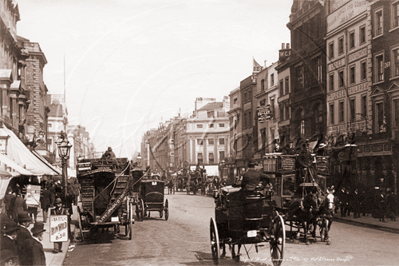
215 245
277 244
166 209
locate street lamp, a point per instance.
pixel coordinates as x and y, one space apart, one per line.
64 148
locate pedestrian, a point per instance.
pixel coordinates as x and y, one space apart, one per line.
381 206
9 200
58 210
33 248
45 202
19 206
7 243
23 233
391 205
356 204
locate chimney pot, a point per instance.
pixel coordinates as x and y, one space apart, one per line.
288 46
283 46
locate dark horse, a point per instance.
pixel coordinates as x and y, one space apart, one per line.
324 218
303 212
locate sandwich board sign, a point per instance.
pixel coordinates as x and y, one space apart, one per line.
58 228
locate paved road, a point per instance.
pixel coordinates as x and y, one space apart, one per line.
184 240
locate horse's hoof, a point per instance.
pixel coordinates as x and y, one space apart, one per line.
328 242
307 242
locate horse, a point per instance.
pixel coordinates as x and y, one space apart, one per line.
324 218
303 212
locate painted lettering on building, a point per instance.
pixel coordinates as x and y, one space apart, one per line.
336 64
357 55
357 88
336 95
345 13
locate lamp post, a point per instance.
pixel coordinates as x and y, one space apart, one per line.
139 160
64 148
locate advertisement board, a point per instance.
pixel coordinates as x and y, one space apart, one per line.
32 196
58 228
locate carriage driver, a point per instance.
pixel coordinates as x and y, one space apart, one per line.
252 178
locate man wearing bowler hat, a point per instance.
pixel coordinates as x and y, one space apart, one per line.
23 233
9 230
58 210
33 249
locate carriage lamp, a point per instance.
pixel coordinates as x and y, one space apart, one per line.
64 148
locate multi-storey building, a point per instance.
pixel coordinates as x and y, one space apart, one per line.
378 153
348 46
284 100
307 67
82 147
235 146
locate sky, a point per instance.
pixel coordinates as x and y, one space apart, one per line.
130 64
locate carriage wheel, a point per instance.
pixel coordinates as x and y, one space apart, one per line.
166 209
215 248
277 244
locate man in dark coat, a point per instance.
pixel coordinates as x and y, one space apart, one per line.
46 198
33 249
59 210
23 233
252 178
9 200
7 242
19 205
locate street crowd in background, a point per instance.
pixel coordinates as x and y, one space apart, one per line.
21 232
380 203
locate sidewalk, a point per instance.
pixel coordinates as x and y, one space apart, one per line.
51 258
370 222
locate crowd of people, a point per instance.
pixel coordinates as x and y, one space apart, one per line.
21 232
379 203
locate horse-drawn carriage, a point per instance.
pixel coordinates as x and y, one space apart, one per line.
105 195
300 196
245 218
151 196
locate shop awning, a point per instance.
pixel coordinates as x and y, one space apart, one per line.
212 170
5 178
43 160
16 170
20 154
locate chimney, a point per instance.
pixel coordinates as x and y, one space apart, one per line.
288 46
265 63
283 46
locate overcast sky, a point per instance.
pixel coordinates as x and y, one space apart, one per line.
132 64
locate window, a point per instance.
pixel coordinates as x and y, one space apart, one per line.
341 111
362 34
211 125
396 112
352 78
281 112
395 15
210 141
49 125
352 40
271 80
341 45
303 128
364 106
287 112
211 157
200 159
353 108
221 155
378 23
262 85
379 108
263 102
332 114
281 88
331 82
341 78
319 64
211 114
395 67
245 97
272 107
299 76
249 119
287 85
199 126
363 70
331 50
379 63
221 141
200 142
221 124
235 100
